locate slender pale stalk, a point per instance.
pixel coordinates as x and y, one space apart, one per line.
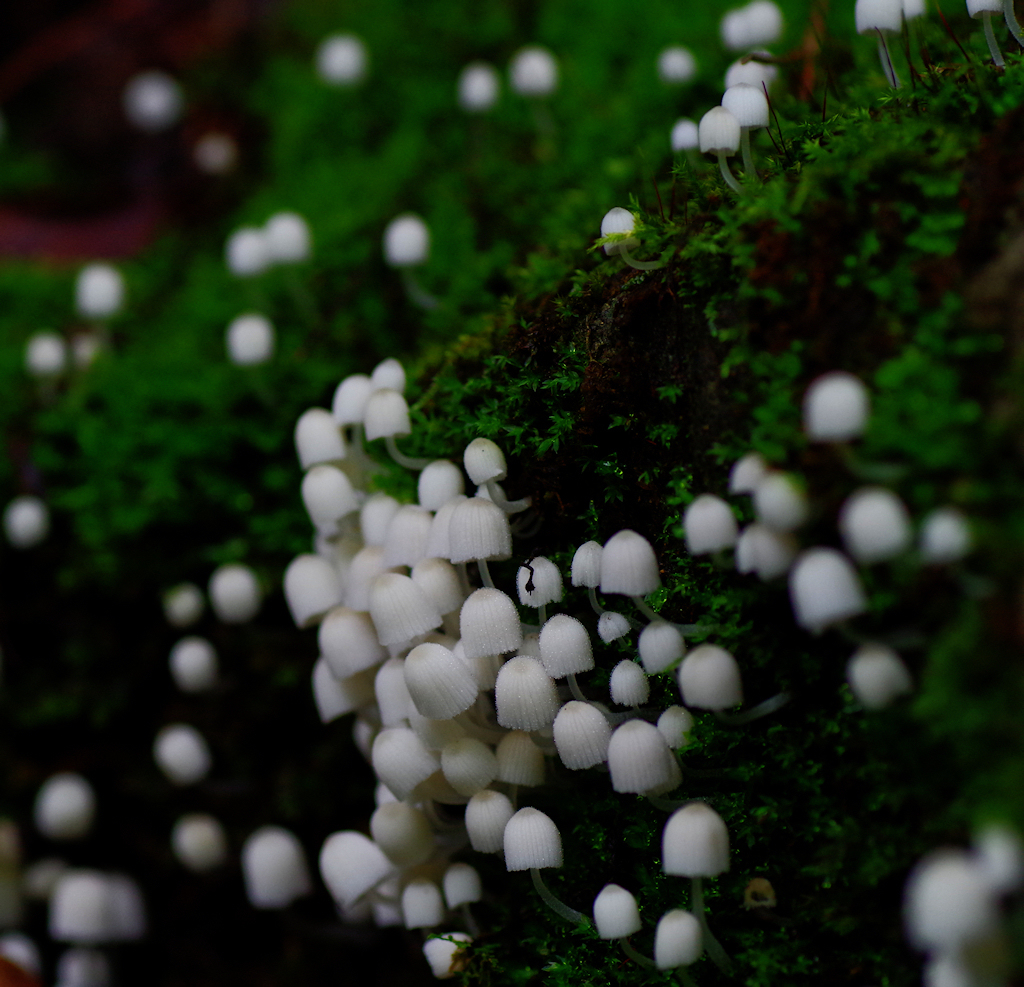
409 462
640 265
718 955
559 907
485 573
637 957
574 688
1012 23
754 713
592 596
886 60
730 178
684 977
990 38
748 157
508 506
416 293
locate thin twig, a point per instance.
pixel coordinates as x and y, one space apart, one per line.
949 31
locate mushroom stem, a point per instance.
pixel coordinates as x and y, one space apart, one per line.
640 265
542 614
754 713
637 957
748 157
730 178
574 688
485 573
641 605
592 596
508 506
467 918
886 60
990 37
1012 23
416 294
718 955
684 977
409 462
559 907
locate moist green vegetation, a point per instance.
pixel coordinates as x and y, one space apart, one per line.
885 240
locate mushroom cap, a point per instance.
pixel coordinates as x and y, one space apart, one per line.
438 483
348 407
884 15
678 940
65 806
618 221
199 842
766 552
351 864
478 87
875 525
660 646
479 529
748 104
487 814
710 525
709 678
540 583
182 754
249 339
877 675
484 461
582 734
639 759
695 842
719 132
628 684
274 867
245 252
193 662
288 238
629 565
46 355
565 646
443 954
755 73
312 586
836 407
531 839
406 241
945 536
441 686
26 521
490 624
525 695
234 593
586 565
399 609
99 291
676 65
341 60
386 414
616 914
533 72
824 589
780 502
685 135
153 101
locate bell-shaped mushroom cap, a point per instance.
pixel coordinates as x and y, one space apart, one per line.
616 914
317 438
126 908
875 525
312 586
234 593
403 833
565 647
406 241
999 853
764 551
401 760
660 646
695 842
193 663
978 7
581 735
836 407
183 604
274 867
350 865
375 518
628 684
65 807
779 502
439 543
335 697
399 609
519 760
441 686
83 967
249 339
366 565
389 373
824 589
182 754
525 695
46 355
539 582
677 940
684 135
676 65
288 238
341 60
478 529
469 765
639 759
618 221
879 15
348 642
387 414
80 908
487 813
348 406
710 525
422 904
586 565
948 903
533 72
945 536
393 700
746 473
406 540
719 132
877 675
484 461
199 843
462 885
328 496
19 949
26 521
440 583
99 291
629 565
152 101
444 954
709 678
611 626
490 624
675 724
748 104
478 87
532 840
438 483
